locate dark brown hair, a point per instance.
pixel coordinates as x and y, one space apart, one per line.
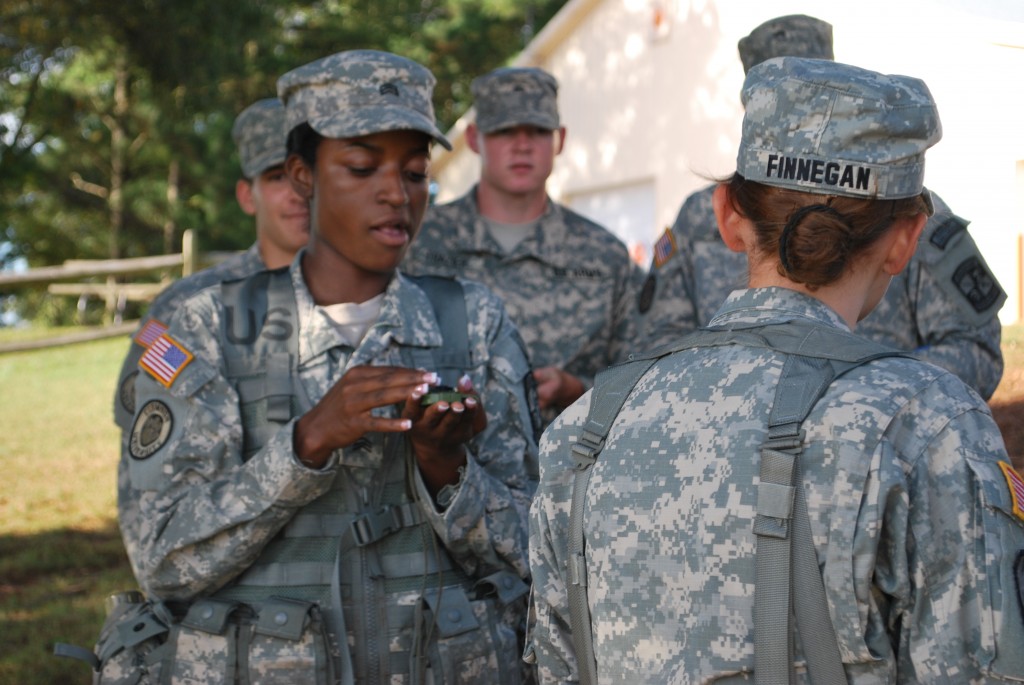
817 237
304 141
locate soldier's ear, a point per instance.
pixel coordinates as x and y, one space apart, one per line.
472 138
905 232
730 221
243 193
559 140
300 175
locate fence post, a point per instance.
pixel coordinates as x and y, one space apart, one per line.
189 254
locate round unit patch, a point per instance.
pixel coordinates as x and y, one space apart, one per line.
127 392
151 430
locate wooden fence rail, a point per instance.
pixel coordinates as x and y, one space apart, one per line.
113 293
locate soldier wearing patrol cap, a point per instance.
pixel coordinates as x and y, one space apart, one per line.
313 509
567 282
944 306
282 227
776 462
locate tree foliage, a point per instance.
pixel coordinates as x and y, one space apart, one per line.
115 119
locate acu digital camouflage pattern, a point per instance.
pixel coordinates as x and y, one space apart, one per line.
570 288
943 306
825 127
910 515
260 137
161 310
515 96
359 92
207 515
796 34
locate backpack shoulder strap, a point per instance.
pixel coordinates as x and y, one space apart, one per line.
260 336
816 356
611 388
448 299
785 561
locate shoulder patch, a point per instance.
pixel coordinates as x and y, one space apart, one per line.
149 332
972 278
164 359
126 391
945 232
664 248
1016 485
151 430
646 297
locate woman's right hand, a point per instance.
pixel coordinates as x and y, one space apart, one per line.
345 413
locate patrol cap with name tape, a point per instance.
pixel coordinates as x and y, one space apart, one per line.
515 96
825 127
794 35
260 136
360 92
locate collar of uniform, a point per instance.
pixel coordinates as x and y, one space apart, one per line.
406 315
547 244
774 305
252 258
316 333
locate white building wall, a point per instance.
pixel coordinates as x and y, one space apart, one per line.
657 103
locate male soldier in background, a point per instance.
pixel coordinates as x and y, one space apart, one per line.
567 282
944 306
282 227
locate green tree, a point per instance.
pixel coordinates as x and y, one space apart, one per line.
116 135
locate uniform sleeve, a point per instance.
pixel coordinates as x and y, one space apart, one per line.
666 304
151 325
955 300
124 391
204 514
549 635
624 334
484 523
961 618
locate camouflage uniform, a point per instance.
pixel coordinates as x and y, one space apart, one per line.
259 137
944 306
915 513
570 286
207 515
231 517
910 512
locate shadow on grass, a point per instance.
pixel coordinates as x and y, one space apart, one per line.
52 588
1009 417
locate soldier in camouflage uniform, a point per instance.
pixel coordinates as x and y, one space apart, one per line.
307 516
568 283
282 227
913 510
944 306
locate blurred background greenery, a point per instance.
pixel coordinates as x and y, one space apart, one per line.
115 118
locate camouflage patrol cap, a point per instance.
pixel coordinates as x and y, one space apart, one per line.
831 128
359 92
795 35
260 136
514 96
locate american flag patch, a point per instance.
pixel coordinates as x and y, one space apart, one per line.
664 248
1016 484
165 359
150 332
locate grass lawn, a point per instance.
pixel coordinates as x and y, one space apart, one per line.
60 550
